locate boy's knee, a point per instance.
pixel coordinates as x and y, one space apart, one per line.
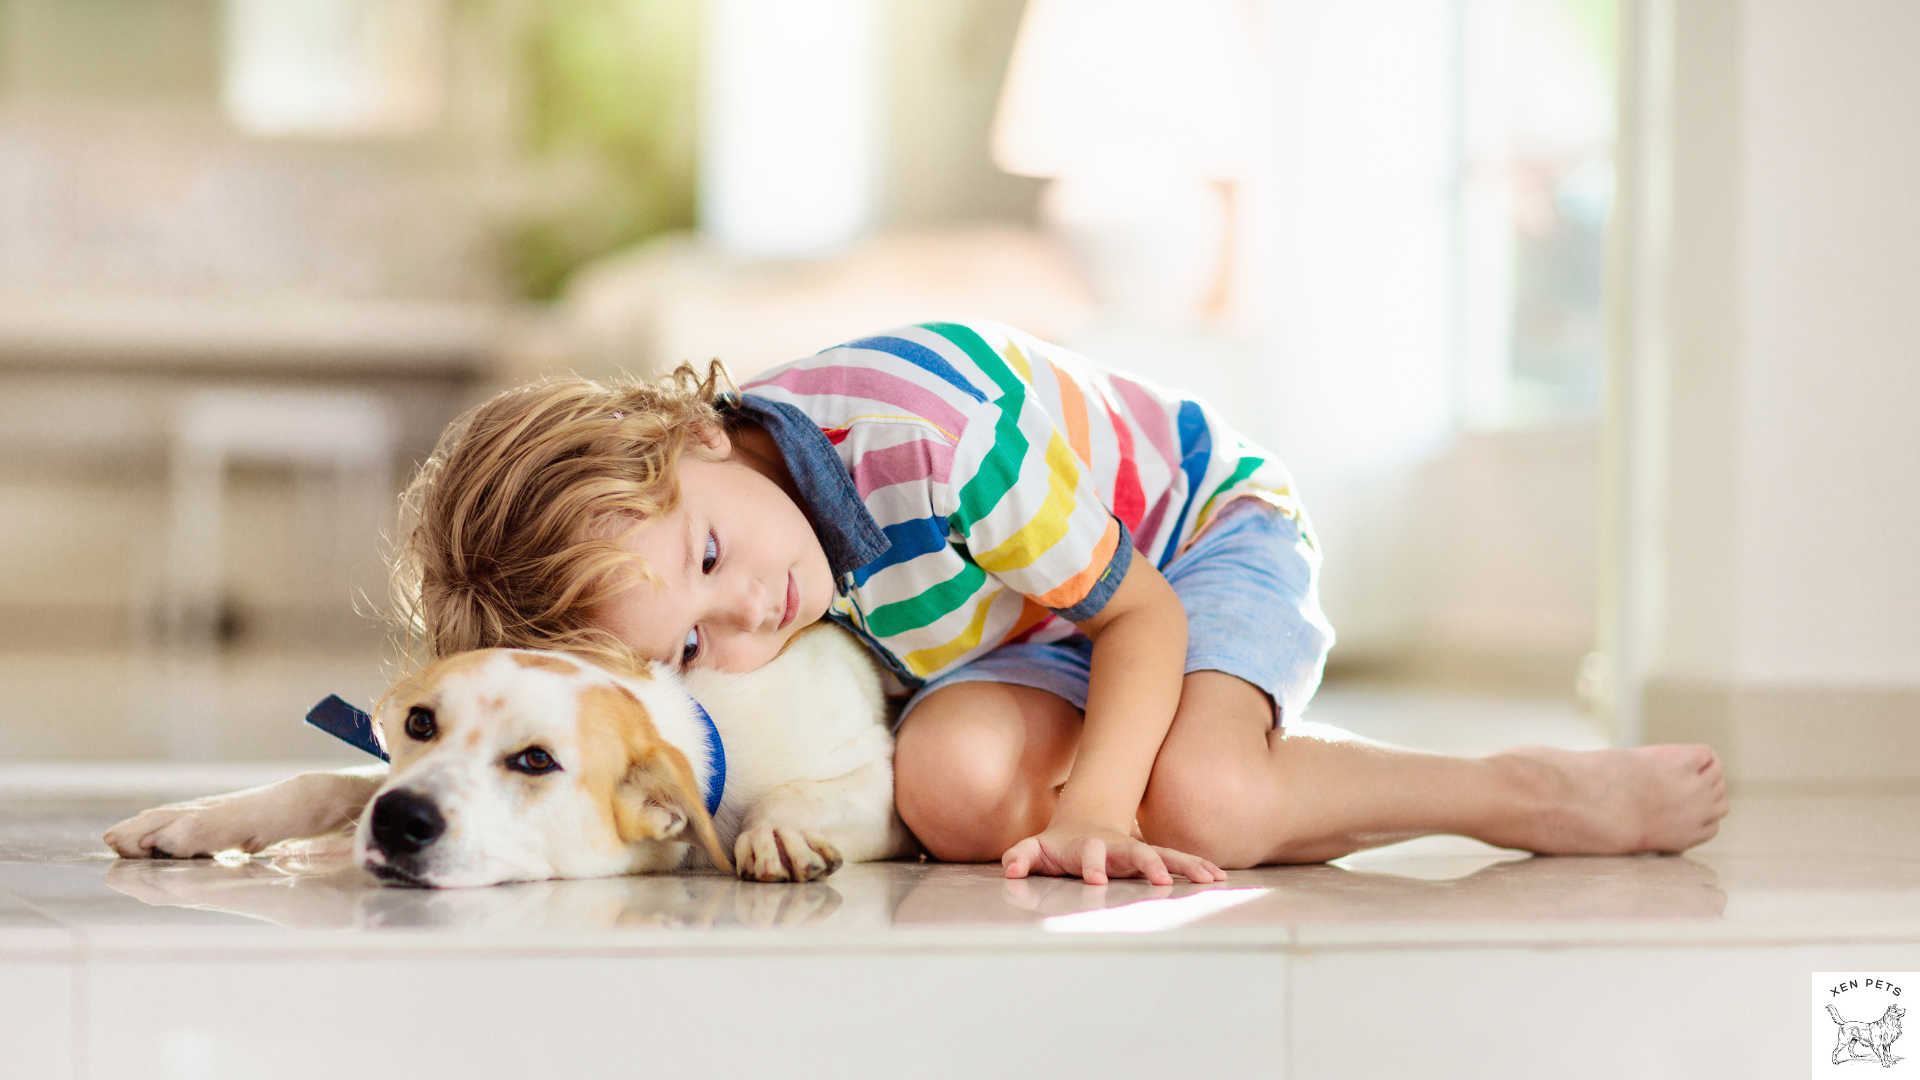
951 782
978 766
1213 809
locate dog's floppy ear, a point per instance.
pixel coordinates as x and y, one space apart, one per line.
655 796
655 801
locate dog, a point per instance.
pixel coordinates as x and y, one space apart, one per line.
520 765
1877 1037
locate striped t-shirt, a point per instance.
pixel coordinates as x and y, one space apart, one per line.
991 488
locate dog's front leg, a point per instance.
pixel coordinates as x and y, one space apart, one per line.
309 804
806 829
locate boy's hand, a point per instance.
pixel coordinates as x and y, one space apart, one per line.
1093 853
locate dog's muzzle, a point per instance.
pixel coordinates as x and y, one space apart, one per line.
405 823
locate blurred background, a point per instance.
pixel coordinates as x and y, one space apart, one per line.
1584 325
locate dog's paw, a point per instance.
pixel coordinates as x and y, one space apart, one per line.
770 853
182 831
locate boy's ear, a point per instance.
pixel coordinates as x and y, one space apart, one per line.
653 802
714 438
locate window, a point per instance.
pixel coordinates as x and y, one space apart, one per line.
1537 125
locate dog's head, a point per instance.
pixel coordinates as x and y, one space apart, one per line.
511 765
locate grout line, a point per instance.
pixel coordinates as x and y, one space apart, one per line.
82 1014
1290 961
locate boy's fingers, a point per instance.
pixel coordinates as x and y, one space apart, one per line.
1187 866
1193 869
1150 865
1200 871
1019 858
1093 862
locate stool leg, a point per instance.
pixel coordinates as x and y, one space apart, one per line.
191 685
360 500
194 548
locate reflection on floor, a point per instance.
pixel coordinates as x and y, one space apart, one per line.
1435 957
327 893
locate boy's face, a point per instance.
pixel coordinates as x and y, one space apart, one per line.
739 570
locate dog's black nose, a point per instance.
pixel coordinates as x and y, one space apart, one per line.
404 822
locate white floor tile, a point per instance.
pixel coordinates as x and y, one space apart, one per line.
1651 1013
37 1022
927 1015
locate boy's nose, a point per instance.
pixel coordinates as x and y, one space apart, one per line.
750 606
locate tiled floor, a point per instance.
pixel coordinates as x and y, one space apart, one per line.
1436 958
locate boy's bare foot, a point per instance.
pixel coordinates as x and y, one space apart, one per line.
1615 802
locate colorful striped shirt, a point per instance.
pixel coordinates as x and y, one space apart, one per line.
985 487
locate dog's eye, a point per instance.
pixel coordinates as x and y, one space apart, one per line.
533 761
420 725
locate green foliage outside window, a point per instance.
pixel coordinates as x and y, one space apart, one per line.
612 88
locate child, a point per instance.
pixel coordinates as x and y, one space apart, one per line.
1103 599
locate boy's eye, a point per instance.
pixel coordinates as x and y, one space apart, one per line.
711 556
690 648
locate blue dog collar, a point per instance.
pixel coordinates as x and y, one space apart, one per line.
716 760
348 724
355 728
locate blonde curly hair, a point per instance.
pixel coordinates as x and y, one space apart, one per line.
503 537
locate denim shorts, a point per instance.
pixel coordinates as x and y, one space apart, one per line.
1250 584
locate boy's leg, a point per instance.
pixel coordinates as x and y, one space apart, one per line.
979 765
1229 788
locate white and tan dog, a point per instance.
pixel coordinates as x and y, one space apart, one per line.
511 765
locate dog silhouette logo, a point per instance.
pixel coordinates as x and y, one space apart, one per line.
1863 1041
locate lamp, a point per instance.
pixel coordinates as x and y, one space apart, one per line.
1141 112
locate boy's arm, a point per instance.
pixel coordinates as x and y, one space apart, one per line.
1139 654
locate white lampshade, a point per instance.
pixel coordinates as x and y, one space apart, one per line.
1162 86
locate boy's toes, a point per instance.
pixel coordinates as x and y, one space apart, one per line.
1686 760
1709 762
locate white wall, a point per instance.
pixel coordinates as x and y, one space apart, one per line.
1793 365
1830 343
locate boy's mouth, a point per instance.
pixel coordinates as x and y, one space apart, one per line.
793 601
